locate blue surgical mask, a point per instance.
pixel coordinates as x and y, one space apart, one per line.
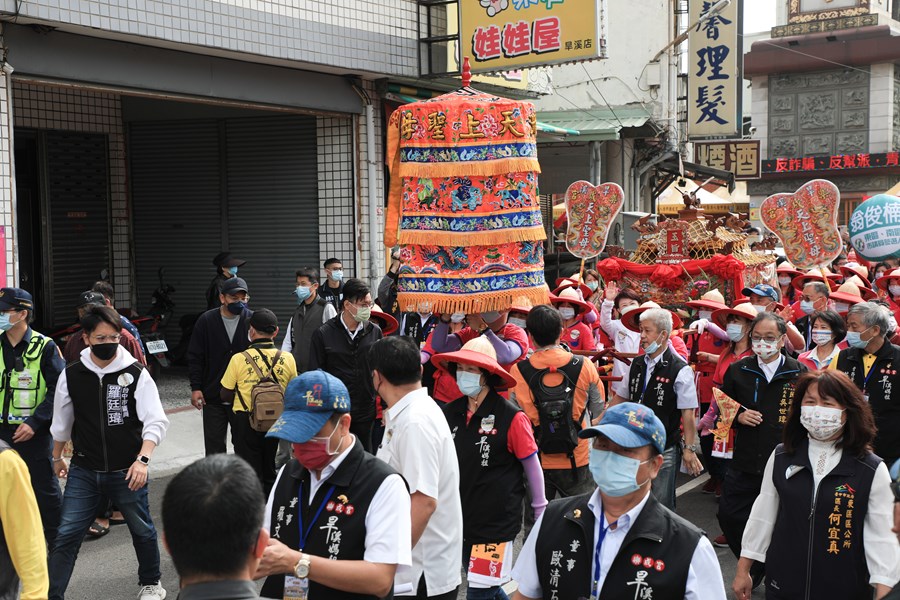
490 317
807 307
614 474
337 275
735 332
469 383
303 292
653 347
592 285
233 270
5 325
854 338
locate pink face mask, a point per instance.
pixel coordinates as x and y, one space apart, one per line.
314 454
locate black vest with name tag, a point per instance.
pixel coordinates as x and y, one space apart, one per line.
659 393
491 483
653 561
107 434
339 533
307 318
879 389
817 548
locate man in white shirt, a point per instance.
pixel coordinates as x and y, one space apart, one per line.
619 537
417 442
338 517
625 340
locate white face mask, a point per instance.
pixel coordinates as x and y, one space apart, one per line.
841 307
704 314
821 336
759 308
784 281
765 350
567 313
894 289
457 317
821 422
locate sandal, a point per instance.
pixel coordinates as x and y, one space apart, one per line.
116 522
96 530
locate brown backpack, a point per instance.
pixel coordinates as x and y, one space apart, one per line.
266 397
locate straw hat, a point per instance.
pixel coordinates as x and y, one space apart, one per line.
387 322
480 353
564 284
711 300
820 275
744 310
632 318
850 270
786 268
885 281
866 291
848 294
570 296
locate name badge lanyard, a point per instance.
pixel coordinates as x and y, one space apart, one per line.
304 535
648 374
595 592
865 385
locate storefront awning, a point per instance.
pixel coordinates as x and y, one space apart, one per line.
596 124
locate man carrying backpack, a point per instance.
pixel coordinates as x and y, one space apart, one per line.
561 394
254 384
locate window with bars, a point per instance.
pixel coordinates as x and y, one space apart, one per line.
438 37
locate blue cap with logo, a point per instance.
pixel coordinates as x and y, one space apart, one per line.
15 299
762 289
309 401
630 425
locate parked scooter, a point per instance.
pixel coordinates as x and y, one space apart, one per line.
152 325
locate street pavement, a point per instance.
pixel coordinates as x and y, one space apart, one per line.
107 568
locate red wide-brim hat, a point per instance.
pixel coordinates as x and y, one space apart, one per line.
476 359
632 319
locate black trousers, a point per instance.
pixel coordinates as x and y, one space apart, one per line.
36 453
363 432
254 447
739 491
216 417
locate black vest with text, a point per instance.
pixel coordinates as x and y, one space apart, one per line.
491 483
307 318
659 393
811 539
878 386
340 531
653 562
107 434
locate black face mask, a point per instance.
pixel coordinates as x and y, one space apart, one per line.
236 308
105 351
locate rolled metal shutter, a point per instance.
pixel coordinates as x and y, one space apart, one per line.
176 192
273 205
79 232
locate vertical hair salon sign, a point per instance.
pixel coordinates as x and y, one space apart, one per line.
714 69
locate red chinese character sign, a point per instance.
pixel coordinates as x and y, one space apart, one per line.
875 228
806 223
673 243
463 203
590 211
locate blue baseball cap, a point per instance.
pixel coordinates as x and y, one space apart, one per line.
762 290
309 401
15 299
630 425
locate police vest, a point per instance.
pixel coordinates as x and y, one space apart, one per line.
491 483
107 433
817 549
878 386
24 389
339 530
659 393
307 318
653 562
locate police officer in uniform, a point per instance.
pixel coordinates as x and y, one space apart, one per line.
338 517
30 364
619 542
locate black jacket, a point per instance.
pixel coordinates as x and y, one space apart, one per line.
334 352
210 352
745 382
213 291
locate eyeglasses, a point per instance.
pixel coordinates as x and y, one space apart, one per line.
364 304
768 339
103 339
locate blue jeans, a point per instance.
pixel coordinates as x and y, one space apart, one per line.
84 490
664 484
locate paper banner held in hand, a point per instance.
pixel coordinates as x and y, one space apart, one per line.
875 228
728 410
806 223
590 210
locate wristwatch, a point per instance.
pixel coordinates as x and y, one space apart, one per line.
302 568
145 460
695 448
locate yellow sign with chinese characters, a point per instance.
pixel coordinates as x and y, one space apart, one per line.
501 35
740 157
714 65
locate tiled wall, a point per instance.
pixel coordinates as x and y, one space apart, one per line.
362 35
337 231
85 111
9 274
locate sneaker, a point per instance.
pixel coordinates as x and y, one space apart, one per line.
709 487
720 542
152 592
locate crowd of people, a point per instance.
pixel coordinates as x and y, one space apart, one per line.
409 449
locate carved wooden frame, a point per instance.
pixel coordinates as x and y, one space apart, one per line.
796 16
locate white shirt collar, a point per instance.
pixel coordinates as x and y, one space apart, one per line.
624 523
328 471
769 369
651 362
392 413
353 333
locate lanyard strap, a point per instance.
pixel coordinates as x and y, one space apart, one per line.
304 535
648 373
595 592
869 374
